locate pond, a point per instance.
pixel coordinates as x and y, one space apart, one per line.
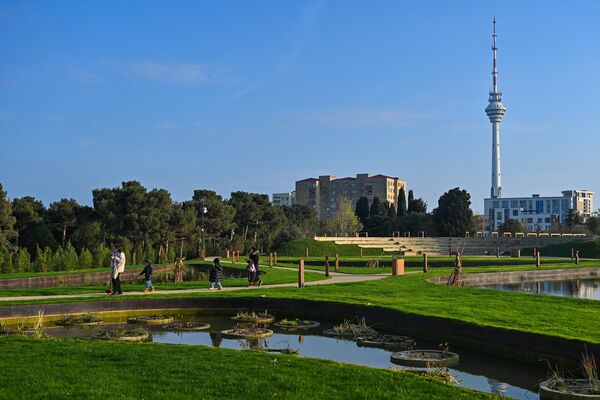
478 371
577 288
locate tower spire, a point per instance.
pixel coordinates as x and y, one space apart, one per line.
495 69
495 111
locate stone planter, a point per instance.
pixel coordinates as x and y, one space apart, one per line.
425 358
242 333
383 341
573 391
187 326
151 320
296 324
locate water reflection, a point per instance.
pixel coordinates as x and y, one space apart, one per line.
577 288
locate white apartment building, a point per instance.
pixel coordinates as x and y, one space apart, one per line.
283 199
537 213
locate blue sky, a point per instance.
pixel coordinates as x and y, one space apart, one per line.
255 95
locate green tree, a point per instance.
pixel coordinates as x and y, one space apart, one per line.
23 263
401 203
416 223
71 261
344 222
593 224
511 226
57 261
362 210
101 256
453 216
41 263
85 259
5 261
377 209
61 217
7 220
29 213
573 218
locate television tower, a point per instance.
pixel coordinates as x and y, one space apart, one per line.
495 111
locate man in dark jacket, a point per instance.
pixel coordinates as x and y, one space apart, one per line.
147 272
216 275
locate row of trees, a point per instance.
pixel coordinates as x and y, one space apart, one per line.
148 223
452 217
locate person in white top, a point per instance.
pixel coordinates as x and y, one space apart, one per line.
117 267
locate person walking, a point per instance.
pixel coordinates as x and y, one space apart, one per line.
147 272
216 275
252 274
254 257
117 267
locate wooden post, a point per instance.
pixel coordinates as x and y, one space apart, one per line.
538 260
397 267
425 266
307 252
337 263
361 251
497 252
232 256
572 253
270 260
577 257
275 258
301 273
327 266
516 253
534 253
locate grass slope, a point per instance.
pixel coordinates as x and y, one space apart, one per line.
75 369
297 248
587 249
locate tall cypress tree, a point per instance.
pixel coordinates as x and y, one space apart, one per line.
411 201
362 210
377 208
401 203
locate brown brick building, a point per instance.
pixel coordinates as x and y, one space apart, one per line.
325 193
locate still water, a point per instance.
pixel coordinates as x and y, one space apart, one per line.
476 370
578 288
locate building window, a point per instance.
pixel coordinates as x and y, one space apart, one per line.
496 204
499 216
514 204
515 213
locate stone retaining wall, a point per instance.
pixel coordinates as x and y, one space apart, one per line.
491 278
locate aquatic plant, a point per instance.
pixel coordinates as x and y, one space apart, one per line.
590 372
354 328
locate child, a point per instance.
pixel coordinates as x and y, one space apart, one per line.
147 271
216 275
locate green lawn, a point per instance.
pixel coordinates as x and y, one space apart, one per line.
545 315
272 276
77 369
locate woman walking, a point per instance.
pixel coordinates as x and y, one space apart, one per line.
117 267
253 279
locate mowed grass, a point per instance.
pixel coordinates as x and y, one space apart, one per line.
78 369
272 276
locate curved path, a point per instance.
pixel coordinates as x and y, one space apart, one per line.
335 277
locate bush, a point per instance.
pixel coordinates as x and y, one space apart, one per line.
587 249
57 260
85 259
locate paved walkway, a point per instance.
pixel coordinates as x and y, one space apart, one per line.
335 277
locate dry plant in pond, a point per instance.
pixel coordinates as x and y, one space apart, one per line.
556 380
179 270
590 371
355 328
39 321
